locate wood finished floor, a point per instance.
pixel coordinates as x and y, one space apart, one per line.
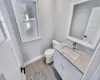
40 71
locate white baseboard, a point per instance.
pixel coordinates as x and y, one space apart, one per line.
33 60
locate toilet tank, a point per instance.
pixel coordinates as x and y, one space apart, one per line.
55 42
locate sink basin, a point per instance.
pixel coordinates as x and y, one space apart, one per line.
74 54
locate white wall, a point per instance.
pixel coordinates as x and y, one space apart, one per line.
33 49
61 18
46 23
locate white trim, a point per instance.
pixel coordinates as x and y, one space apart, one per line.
18 20
23 76
33 60
81 42
79 1
30 39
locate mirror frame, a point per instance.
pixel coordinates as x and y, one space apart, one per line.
17 17
73 3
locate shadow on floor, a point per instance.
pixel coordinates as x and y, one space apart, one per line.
38 70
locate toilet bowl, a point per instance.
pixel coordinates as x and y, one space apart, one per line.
50 52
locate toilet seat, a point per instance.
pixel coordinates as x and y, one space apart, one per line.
49 53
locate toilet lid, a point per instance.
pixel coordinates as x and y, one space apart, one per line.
49 52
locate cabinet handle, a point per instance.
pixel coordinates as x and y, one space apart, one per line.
62 67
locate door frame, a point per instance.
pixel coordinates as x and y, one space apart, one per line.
93 65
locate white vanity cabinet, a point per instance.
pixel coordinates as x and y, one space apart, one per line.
65 69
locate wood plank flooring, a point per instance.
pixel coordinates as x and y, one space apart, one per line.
40 71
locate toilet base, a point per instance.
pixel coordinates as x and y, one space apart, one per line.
48 63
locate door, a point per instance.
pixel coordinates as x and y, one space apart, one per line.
9 63
6 10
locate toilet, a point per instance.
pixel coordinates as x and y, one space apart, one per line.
50 52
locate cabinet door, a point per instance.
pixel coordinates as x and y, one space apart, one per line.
70 74
65 69
69 71
57 63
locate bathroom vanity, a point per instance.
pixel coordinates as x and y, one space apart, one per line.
70 64
83 29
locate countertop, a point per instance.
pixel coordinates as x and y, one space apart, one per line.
81 63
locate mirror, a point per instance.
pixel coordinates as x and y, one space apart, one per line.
84 22
26 16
